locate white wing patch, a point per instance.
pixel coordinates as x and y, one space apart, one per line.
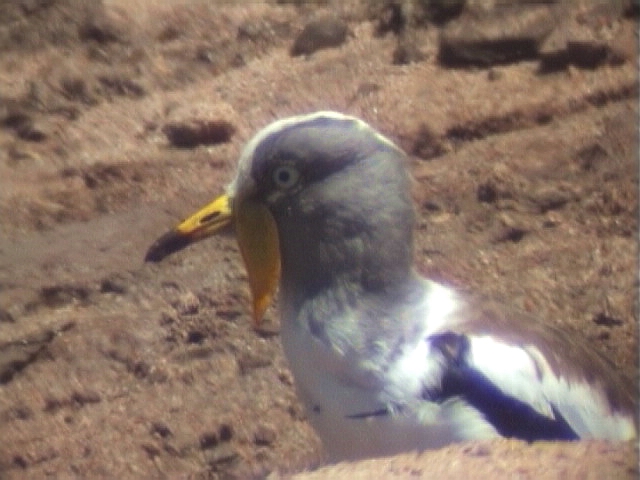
511 369
440 304
523 373
583 405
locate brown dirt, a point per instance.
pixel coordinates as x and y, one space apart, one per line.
526 186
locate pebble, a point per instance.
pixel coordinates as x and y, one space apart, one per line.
323 32
264 435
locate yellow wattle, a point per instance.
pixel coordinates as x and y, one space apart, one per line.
258 239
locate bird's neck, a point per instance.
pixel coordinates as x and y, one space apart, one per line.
339 304
332 266
330 253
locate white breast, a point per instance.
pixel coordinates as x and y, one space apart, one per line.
334 389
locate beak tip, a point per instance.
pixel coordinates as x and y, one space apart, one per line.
205 222
169 243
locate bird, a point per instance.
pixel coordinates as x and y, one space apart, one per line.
385 360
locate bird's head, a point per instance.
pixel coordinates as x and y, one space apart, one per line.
316 197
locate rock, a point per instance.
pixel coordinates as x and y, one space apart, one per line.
436 11
100 29
501 36
486 192
442 11
161 429
81 398
588 39
16 356
323 32
198 132
195 336
547 199
400 15
31 132
57 296
21 122
605 319
509 234
190 126
225 432
428 144
390 18
264 435
208 440
113 284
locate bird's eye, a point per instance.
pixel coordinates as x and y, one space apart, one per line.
285 176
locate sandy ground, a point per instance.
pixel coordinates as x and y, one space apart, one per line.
526 186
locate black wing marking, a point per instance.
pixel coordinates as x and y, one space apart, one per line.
509 416
382 412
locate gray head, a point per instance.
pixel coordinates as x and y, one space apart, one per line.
340 196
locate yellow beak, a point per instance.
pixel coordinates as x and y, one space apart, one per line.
257 236
209 220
